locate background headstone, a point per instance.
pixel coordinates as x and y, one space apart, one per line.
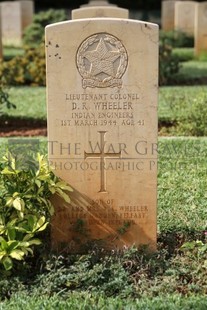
27 12
100 11
1 48
185 16
102 89
168 15
201 28
11 23
98 3
15 15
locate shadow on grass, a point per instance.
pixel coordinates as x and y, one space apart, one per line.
21 126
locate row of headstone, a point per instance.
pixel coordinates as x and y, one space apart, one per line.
15 17
201 28
102 85
189 17
99 9
1 48
178 15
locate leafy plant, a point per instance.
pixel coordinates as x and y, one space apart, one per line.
34 33
184 54
4 97
177 38
25 207
169 63
197 248
26 69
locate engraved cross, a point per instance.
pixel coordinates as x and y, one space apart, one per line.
102 155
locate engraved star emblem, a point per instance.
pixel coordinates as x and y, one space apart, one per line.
102 59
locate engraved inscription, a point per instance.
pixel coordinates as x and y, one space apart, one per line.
102 109
104 211
101 61
102 155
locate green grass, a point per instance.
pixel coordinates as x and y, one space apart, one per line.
184 53
192 71
193 68
88 302
10 52
30 102
182 185
202 56
182 110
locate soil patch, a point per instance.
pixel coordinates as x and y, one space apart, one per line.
13 127
17 127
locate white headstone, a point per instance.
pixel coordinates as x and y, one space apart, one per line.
102 86
201 28
99 9
15 15
185 16
11 23
27 12
168 15
1 47
98 3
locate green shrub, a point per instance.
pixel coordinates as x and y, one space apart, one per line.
25 208
11 52
168 63
34 33
4 97
177 38
184 54
202 56
28 69
194 122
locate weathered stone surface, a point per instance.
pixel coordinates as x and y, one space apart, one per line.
11 23
1 48
168 15
15 15
185 16
98 3
102 82
100 11
201 28
27 7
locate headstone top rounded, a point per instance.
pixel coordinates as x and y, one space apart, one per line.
98 3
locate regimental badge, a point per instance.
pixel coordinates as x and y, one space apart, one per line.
101 61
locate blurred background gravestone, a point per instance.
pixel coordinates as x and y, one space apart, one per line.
15 16
99 9
98 3
168 15
185 16
201 29
1 48
27 7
